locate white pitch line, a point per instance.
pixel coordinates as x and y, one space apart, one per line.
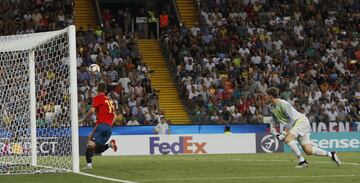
229 178
105 178
258 177
254 177
322 162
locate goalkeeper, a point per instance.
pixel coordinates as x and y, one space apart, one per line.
297 128
105 114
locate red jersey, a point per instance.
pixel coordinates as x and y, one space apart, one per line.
104 109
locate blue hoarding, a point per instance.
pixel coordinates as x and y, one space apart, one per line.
182 129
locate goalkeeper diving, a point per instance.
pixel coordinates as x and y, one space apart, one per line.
297 128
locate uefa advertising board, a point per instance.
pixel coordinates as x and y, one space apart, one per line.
183 144
45 146
335 141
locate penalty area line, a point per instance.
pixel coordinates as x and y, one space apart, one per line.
105 178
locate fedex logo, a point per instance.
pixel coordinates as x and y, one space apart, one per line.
183 146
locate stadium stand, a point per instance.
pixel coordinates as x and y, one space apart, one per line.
224 63
27 16
114 51
309 49
122 69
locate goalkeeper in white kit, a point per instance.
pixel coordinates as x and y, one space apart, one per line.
297 128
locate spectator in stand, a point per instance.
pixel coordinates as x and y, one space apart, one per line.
164 21
106 16
152 23
332 114
132 122
142 27
162 128
127 20
354 114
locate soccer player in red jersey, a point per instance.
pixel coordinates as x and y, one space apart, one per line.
105 114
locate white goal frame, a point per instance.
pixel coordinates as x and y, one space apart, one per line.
17 43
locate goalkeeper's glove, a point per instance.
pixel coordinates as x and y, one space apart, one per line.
281 136
273 131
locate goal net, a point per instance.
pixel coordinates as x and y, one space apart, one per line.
38 103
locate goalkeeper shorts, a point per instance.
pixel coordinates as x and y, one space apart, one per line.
301 130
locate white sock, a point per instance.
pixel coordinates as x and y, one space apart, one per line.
301 159
89 165
320 152
296 150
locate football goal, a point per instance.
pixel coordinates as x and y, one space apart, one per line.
38 103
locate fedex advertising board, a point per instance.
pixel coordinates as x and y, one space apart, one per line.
183 144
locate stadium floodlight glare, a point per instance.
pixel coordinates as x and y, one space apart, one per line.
38 103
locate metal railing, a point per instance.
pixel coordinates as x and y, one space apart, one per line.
176 10
98 13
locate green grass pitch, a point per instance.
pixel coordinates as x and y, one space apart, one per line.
269 168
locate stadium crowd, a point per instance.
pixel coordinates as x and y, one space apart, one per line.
308 49
127 78
30 16
23 17
112 47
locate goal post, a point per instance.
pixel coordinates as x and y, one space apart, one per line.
74 101
32 91
38 103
